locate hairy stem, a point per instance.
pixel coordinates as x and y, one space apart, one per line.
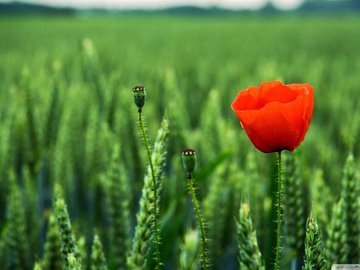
204 259
278 213
156 217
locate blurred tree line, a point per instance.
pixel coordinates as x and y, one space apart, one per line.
308 6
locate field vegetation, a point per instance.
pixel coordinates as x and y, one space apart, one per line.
73 166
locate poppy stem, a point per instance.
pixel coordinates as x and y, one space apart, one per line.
278 213
156 213
204 259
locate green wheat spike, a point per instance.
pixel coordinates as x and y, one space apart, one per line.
3 247
236 179
91 144
52 114
31 208
68 242
37 266
336 244
350 194
32 123
20 145
249 253
52 259
81 244
294 205
131 150
60 165
322 200
98 261
6 151
217 198
178 114
189 251
96 146
211 111
70 148
145 218
72 262
17 238
92 71
118 200
314 257
256 189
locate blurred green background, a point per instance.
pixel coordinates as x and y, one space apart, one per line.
65 99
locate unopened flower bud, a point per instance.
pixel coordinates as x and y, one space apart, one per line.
189 161
139 96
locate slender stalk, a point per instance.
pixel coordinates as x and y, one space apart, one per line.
156 221
278 213
191 189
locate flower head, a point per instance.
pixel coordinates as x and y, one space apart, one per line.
189 160
139 96
275 116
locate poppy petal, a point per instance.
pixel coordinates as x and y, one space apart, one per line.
275 116
268 129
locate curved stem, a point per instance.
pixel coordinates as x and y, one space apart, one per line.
278 212
204 259
156 217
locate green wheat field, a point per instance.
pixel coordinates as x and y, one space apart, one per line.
74 184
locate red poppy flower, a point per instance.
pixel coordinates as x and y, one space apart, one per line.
275 116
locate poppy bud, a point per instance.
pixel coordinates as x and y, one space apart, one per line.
139 96
189 161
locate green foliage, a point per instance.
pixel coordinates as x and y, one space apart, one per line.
260 201
189 250
16 230
69 248
72 262
3 251
342 243
213 145
37 266
66 105
140 101
81 244
98 261
52 258
314 251
145 217
321 197
249 253
344 232
118 195
336 244
351 213
294 205
31 202
204 258
216 221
